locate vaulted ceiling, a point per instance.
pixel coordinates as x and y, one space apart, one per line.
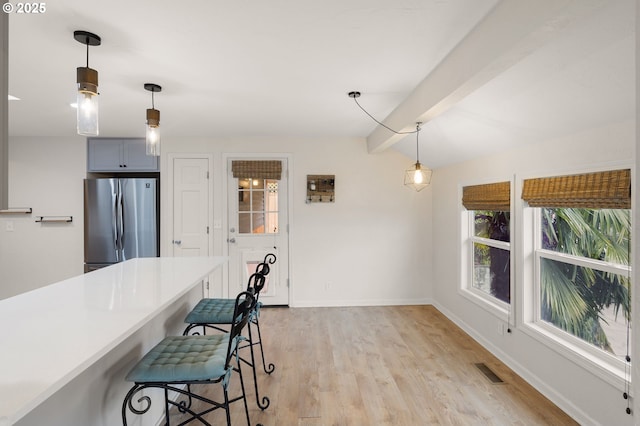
484 75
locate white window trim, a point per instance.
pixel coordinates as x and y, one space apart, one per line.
607 367
561 342
494 302
585 262
488 241
496 307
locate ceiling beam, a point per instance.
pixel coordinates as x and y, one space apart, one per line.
511 31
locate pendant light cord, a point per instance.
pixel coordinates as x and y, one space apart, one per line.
380 123
417 132
354 95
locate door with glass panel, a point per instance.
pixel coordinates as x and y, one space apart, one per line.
258 225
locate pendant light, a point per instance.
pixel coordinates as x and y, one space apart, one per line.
417 177
87 78
153 123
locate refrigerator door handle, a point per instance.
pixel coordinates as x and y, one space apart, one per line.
122 223
115 226
119 245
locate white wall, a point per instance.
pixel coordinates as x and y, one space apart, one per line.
588 398
373 245
44 174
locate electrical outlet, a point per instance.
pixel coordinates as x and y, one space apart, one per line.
9 226
501 329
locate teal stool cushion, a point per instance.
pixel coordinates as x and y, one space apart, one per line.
183 358
212 311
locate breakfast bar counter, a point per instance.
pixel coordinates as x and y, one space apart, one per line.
65 348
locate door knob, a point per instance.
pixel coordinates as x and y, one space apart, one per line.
231 240
178 242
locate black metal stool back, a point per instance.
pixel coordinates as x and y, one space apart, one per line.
187 360
255 284
245 304
263 267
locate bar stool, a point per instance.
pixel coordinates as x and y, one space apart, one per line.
178 362
216 313
201 314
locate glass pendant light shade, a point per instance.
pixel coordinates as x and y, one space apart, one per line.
87 78
153 132
87 110
418 177
153 123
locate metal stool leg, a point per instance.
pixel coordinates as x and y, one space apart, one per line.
265 400
246 405
271 367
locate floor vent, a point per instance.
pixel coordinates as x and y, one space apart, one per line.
489 373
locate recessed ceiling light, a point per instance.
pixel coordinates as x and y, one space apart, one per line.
13 98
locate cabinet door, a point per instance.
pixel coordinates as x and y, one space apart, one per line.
135 156
105 155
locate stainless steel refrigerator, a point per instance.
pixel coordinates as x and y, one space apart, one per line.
120 220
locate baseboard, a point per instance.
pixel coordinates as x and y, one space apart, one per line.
558 399
361 302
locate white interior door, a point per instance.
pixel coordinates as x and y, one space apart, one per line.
257 225
190 207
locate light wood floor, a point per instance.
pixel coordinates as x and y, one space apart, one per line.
400 365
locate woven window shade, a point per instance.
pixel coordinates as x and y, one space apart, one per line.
491 196
257 169
601 190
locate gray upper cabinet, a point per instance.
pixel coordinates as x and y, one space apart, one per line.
119 155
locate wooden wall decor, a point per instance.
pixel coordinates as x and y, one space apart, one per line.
321 188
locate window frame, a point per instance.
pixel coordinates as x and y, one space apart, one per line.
498 308
503 245
251 190
574 343
527 237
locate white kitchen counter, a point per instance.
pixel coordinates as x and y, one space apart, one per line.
53 334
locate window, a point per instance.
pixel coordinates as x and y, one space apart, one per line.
582 239
257 206
257 195
491 253
582 259
488 252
